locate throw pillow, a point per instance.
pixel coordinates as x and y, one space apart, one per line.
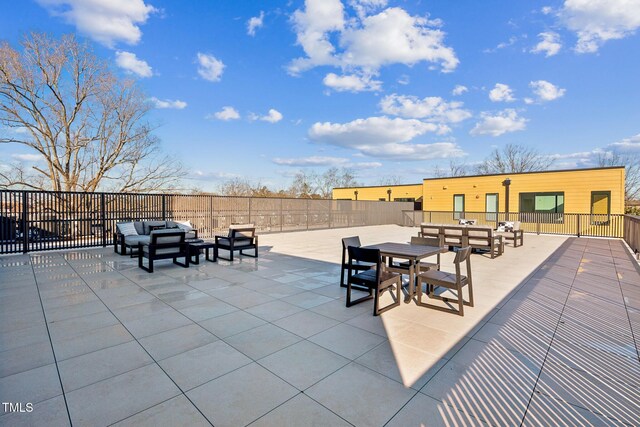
184 225
127 229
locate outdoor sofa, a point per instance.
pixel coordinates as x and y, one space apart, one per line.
129 235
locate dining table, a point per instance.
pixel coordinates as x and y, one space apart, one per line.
409 252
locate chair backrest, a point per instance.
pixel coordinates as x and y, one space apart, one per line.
426 241
479 232
166 237
365 255
429 230
463 255
244 232
516 225
351 241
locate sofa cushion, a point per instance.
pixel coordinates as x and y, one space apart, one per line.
138 226
127 229
148 224
134 240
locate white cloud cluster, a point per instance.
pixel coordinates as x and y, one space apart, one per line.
106 21
227 113
431 108
545 91
132 65
254 23
315 161
385 137
459 90
366 42
273 116
209 67
549 44
351 82
501 93
627 145
500 123
167 103
28 157
598 21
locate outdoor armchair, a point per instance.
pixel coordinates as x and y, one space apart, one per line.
163 244
240 238
454 281
357 265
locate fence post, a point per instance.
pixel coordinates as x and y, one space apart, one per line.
103 220
307 214
578 225
281 216
164 207
25 225
250 222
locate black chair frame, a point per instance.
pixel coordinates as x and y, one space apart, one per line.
235 236
376 280
182 251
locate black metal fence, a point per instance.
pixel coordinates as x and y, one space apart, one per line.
38 221
612 225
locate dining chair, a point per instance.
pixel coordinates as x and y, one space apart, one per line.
375 280
456 282
357 266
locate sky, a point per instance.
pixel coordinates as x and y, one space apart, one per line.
391 89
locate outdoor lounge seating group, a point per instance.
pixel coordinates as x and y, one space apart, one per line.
157 240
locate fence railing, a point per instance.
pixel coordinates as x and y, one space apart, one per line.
612 225
37 220
632 232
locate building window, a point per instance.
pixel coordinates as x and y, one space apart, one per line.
491 206
404 199
458 206
382 199
600 207
542 207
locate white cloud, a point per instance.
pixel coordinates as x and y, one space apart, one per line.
631 144
366 7
227 113
372 130
404 80
598 21
501 93
367 42
351 82
167 103
254 23
546 10
500 123
502 45
28 157
311 161
385 137
106 21
132 65
549 44
210 68
431 108
459 90
273 116
545 91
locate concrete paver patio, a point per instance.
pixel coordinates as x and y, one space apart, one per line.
90 339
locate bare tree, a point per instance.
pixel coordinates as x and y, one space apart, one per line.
514 158
311 184
455 169
390 180
59 100
631 162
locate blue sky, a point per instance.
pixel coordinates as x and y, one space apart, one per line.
262 89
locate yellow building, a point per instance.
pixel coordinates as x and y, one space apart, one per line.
396 193
596 191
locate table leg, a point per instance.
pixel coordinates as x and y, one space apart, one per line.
412 278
